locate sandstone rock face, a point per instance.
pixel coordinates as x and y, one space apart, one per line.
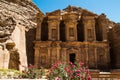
24 14
16 18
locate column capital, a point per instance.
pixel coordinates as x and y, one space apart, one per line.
70 22
53 23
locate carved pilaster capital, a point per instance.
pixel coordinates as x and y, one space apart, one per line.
53 22
70 22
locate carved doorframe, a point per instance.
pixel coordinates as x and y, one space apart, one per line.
70 51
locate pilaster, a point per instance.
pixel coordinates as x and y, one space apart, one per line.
104 30
49 57
103 23
63 54
38 29
86 53
58 53
96 65
107 56
37 56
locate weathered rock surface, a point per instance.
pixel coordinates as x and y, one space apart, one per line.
17 17
24 13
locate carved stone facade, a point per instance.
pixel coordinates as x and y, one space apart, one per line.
75 34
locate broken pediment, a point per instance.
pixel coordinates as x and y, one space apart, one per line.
87 13
79 10
69 13
72 9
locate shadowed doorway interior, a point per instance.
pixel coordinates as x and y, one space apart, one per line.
72 57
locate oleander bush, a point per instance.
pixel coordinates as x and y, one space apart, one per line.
62 70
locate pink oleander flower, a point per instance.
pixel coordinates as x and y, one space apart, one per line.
89 77
78 75
78 71
86 71
81 64
71 64
57 78
31 66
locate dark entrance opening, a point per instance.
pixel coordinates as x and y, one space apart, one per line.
72 57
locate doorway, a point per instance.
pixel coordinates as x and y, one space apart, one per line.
72 57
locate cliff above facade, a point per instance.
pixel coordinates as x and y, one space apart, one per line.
16 12
23 12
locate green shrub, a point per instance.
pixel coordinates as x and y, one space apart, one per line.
31 72
9 73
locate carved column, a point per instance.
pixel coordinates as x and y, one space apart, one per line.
107 56
37 56
38 29
58 31
96 65
103 23
104 30
86 53
49 57
85 30
58 53
66 31
80 54
93 27
63 54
